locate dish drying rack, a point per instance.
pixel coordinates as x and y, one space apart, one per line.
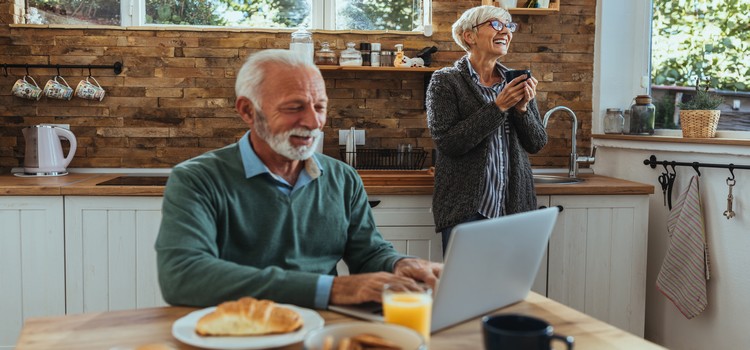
385 158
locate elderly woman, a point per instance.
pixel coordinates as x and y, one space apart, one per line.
483 126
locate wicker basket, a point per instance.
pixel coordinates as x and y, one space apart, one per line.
699 123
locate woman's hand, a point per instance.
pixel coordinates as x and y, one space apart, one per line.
517 93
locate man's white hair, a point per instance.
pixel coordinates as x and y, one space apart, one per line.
253 72
474 16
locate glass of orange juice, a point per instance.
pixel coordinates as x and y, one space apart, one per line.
410 309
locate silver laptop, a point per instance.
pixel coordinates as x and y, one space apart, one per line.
489 264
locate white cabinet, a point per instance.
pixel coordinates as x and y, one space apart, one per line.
32 273
597 258
109 253
407 222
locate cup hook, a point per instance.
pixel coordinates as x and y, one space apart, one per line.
673 164
5 69
89 71
664 164
695 167
58 70
731 171
27 69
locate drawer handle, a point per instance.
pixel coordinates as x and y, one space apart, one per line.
559 207
373 204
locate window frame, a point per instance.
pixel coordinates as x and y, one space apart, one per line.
323 17
622 60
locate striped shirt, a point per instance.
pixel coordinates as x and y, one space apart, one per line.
496 171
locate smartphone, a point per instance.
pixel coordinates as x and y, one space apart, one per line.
514 73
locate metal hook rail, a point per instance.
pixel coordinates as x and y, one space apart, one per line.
652 162
116 67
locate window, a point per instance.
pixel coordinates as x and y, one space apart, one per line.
399 15
706 40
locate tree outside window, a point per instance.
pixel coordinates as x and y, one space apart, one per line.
701 39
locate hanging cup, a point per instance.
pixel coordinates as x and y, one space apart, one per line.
24 89
55 89
90 91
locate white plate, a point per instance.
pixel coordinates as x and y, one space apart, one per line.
404 337
184 330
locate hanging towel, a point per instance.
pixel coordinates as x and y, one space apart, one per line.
685 269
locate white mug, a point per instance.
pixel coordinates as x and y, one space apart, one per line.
23 89
90 91
55 89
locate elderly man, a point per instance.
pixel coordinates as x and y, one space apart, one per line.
266 217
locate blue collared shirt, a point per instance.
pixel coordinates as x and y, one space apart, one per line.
254 166
492 202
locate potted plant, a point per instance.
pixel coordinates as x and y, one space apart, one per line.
700 116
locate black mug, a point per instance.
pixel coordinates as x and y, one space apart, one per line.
512 74
513 331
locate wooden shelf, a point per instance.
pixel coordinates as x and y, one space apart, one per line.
379 69
554 7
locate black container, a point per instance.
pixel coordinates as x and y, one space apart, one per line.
364 48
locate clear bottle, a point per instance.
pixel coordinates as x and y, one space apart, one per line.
325 56
642 116
350 56
613 121
302 44
626 124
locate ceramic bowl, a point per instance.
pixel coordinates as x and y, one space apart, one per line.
404 337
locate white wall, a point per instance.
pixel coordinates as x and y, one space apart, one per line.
723 325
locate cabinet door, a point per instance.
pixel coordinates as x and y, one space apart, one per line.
407 222
540 283
597 258
32 273
111 262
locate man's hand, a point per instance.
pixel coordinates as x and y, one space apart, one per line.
420 270
360 288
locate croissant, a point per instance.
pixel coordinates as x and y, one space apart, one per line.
248 316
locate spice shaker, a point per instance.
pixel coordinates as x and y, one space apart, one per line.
375 54
364 49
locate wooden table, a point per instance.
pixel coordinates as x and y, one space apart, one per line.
128 329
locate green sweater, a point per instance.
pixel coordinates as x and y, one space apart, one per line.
224 236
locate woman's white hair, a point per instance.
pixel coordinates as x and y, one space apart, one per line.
253 72
474 16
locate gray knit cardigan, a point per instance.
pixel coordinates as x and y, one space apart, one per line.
460 123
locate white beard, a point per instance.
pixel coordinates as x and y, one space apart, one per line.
280 142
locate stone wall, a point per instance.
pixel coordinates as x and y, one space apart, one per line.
175 97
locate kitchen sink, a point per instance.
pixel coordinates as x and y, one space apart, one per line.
556 179
136 180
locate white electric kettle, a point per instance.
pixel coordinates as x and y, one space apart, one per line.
44 154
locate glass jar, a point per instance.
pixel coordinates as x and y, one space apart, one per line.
325 56
642 116
626 124
302 44
350 56
613 121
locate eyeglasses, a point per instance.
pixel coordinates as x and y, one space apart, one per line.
498 25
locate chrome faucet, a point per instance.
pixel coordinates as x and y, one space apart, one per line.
574 158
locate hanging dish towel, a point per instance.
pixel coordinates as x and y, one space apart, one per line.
685 269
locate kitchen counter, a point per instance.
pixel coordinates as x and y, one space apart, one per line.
377 182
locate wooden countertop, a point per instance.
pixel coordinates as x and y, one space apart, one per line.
377 182
129 329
